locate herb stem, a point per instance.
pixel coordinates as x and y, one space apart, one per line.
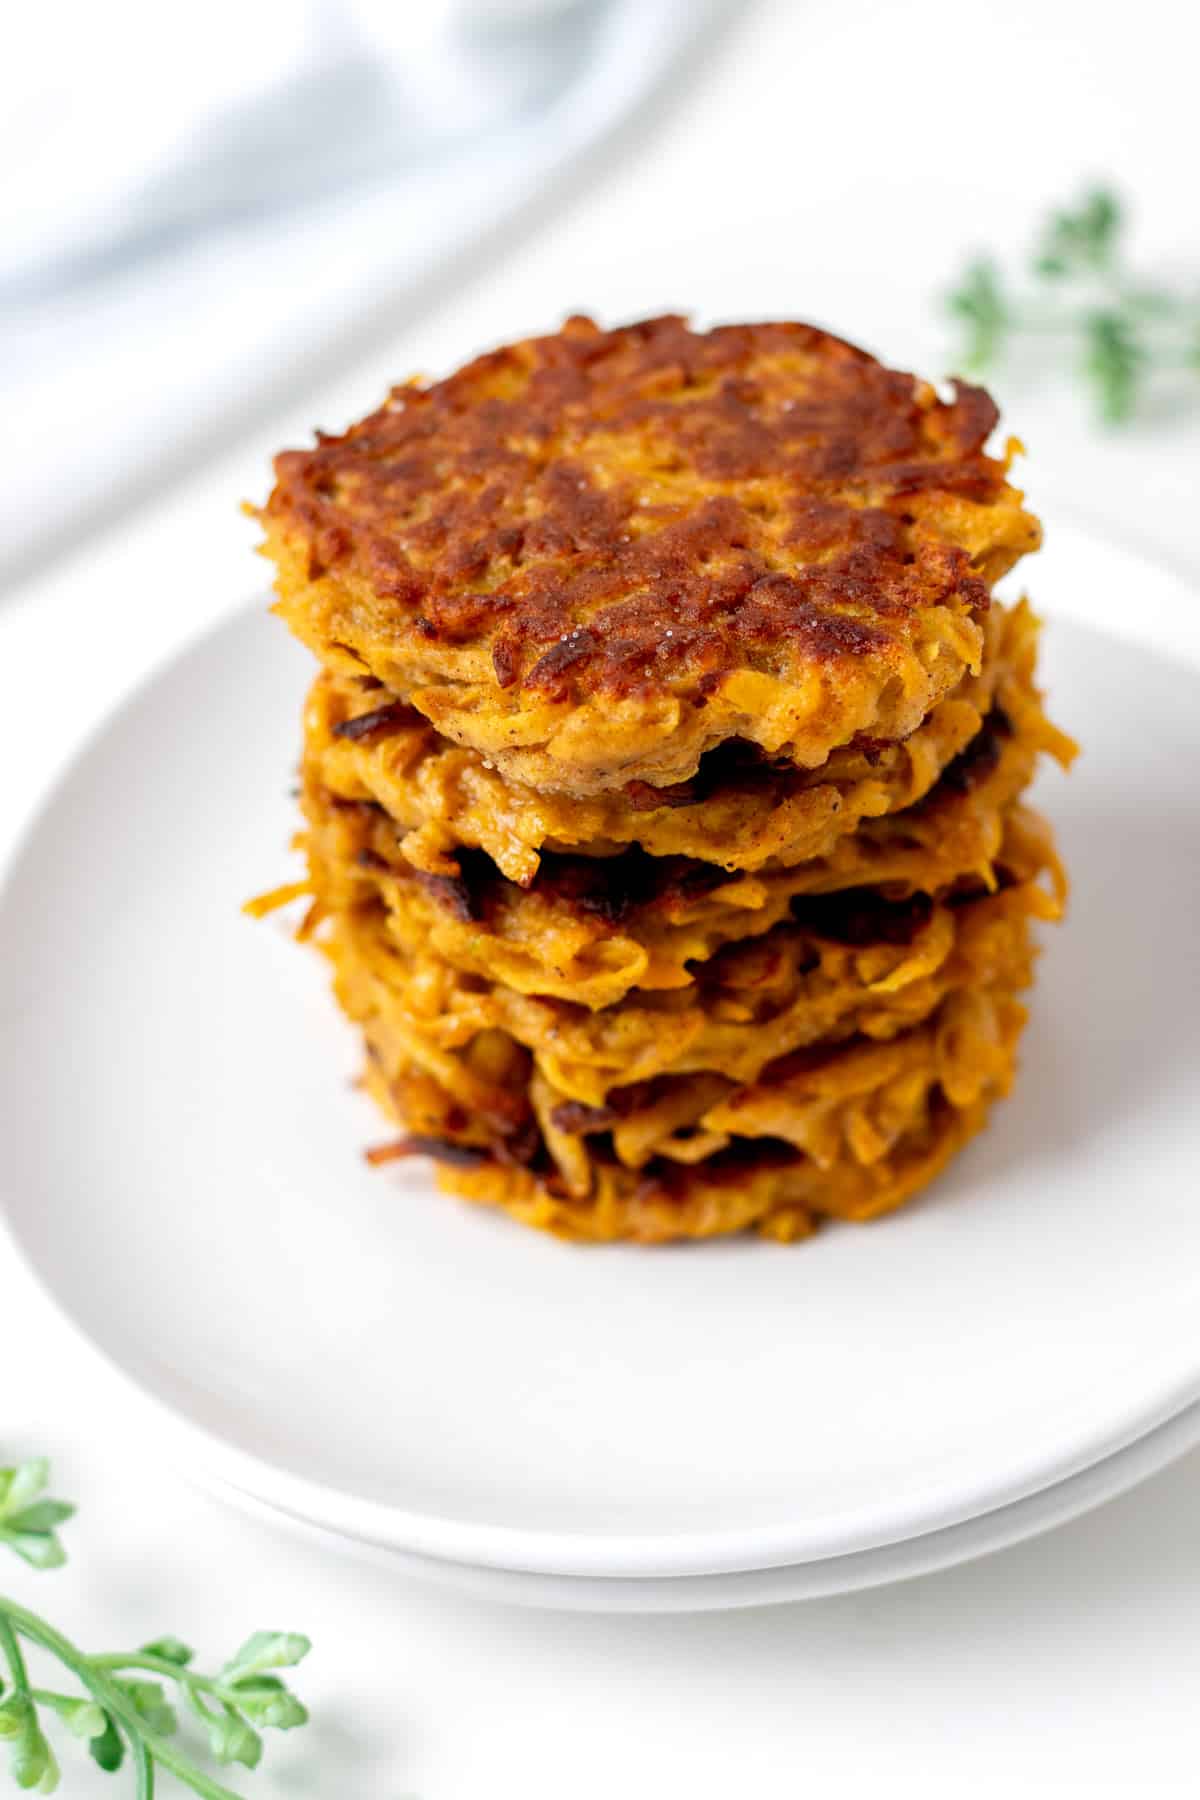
1045 324
143 1764
118 1715
13 1656
107 1693
119 1660
1063 324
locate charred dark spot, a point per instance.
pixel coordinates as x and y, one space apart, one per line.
506 661
643 796
466 1156
976 761
458 617
862 916
613 888
369 724
578 1120
365 809
734 764
969 888
462 895
870 747
347 652
664 1179
574 648
804 606
520 1148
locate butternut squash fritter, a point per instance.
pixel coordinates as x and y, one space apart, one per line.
741 811
867 968
595 556
592 929
662 781
848 1133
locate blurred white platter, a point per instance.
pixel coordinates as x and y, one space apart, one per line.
903 1561
182 1172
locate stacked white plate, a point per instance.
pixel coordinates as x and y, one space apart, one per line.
623 1428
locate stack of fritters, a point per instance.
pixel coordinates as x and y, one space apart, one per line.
662 777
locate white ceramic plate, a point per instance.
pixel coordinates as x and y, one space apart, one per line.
903 1561
182 1170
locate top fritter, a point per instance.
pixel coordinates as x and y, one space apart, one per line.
594 556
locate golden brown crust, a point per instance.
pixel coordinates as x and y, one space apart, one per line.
741 811
748 1189
871 971
590 930
663 780
595 555
849 1133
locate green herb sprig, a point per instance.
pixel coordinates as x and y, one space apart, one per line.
124 1709
1081 295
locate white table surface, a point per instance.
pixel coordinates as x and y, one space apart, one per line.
831 140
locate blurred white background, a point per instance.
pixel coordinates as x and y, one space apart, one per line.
204 203
241 223
830 159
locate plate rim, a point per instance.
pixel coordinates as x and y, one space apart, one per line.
930 1553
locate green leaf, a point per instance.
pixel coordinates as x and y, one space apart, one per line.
1113 361
1101 220
979 301
21 1486
83 1718
108 1749
33 1762
268 1704
266 1650
27 1522
170 1649
231 1740
247 1695
41 1550
152 1705
42 1516
1083 240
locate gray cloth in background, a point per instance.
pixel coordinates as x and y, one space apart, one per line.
209 250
